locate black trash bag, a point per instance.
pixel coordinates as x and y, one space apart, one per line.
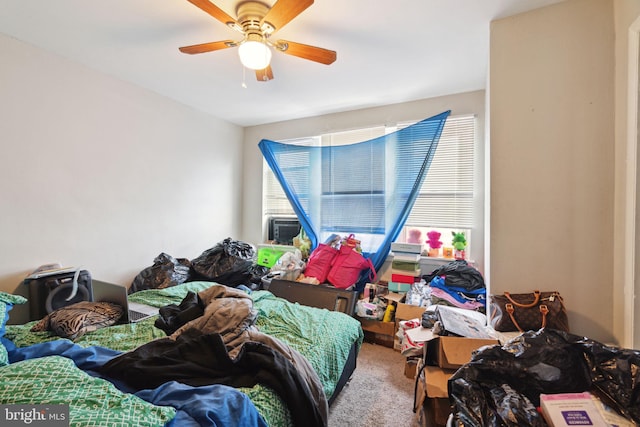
257 273
501 386
166 271
458 274
229 263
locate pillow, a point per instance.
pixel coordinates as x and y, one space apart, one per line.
73 321
6 304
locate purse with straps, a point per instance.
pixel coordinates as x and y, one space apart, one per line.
529 311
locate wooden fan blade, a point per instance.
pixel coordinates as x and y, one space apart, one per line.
312 53
206 47
284 11
213 10
265 74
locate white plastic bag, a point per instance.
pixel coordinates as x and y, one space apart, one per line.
289 265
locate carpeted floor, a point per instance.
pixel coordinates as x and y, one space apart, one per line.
378 394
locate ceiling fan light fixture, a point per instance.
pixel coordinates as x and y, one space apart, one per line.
254 55
257 20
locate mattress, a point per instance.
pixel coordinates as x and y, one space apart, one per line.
326 339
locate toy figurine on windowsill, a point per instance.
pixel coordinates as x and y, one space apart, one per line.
434 243
459 242
415 236
302 242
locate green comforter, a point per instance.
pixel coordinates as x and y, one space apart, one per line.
92 401
323 337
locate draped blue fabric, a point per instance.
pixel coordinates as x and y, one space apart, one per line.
367 188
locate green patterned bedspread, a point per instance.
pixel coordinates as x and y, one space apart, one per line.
324 337
92 401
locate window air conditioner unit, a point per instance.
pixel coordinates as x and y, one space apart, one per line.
282 230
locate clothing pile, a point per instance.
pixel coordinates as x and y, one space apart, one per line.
215 341
457 284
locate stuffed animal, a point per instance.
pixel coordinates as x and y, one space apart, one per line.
434 243
459 242
415 236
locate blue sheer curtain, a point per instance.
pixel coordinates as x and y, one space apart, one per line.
367 188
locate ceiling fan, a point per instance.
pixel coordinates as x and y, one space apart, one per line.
257 22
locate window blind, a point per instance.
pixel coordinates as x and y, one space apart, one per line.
446 196
357 194
274 201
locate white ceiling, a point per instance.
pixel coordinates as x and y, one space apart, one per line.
388 52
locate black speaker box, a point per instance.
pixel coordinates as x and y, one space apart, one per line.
50 292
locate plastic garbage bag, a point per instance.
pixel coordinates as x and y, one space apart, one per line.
230 262
458 274
373 310
501 385
288 266
419 294
166 271
256 272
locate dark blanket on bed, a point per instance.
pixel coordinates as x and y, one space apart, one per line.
211 405
200 359
173 316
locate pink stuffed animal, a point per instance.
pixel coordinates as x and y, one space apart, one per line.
415 236
434 243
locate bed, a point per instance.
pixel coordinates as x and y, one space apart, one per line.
93 374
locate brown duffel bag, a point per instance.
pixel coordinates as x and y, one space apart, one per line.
530 311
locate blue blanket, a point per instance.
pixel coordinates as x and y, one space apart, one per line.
213 405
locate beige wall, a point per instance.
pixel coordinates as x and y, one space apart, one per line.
552 158
98 173
626 12
464 103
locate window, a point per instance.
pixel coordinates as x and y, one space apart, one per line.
445 202
274 201
446 199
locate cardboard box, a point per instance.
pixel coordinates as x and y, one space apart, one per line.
413 248
399 287
433 382
408 311
570 409
380 339
453 352
397 344
378 332
394 297
432 398
436 412
411 367
408 279
436 381
378 327
405 312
